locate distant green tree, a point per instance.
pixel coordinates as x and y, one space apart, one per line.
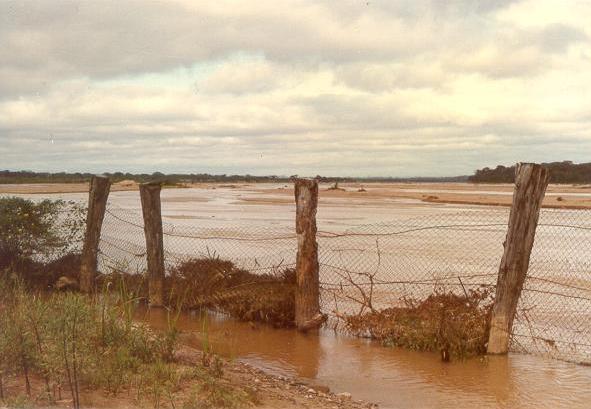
560 172
29 229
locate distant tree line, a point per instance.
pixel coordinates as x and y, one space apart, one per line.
8 177
560 172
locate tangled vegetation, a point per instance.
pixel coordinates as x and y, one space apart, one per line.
454 325
46 228
218 284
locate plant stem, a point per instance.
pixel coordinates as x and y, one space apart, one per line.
67 365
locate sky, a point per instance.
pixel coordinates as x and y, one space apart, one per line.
336 88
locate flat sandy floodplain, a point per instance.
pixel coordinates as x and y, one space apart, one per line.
557 196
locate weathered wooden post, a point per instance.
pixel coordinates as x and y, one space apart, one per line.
150 196
307 293
531 181
97 204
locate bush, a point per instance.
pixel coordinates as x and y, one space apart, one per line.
219 284
29 229
213 283
454 325
38 240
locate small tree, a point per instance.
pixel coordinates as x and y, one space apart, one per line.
29 229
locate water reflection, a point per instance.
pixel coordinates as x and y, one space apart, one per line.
280 351
394 378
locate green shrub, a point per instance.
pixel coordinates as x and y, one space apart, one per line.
29 229
38 240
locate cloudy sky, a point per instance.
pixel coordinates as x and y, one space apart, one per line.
362 88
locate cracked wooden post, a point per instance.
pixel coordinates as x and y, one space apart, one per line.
307 293
531 181
97 203
150 197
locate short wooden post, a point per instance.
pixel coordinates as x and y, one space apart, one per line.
150 197
531 181
307 294
97 204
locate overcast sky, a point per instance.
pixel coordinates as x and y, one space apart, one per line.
361 88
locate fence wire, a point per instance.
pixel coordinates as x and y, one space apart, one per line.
385 264
389 263
554 312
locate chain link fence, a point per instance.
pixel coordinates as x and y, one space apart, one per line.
554 312
260 250
384 265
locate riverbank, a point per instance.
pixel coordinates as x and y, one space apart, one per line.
71 350
263 390
557 196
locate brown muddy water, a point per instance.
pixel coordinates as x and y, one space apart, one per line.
392 377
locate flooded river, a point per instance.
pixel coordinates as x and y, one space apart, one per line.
428 242
392 377
247 206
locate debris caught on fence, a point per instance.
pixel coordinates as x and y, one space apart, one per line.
218 284
454 325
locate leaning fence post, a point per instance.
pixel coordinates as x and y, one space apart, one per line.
97 204
150 197
531 181
307 293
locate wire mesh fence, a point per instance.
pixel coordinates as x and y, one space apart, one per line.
256 249
378 266
554 312
384 265
122 246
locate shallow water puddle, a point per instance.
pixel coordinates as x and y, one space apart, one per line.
391 377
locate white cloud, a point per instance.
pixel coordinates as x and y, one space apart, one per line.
390 88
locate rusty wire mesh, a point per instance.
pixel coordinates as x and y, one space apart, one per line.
385 264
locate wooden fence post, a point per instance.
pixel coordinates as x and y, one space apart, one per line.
307 293
150 197
531 181
97 204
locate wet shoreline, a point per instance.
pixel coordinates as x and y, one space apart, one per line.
390 377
